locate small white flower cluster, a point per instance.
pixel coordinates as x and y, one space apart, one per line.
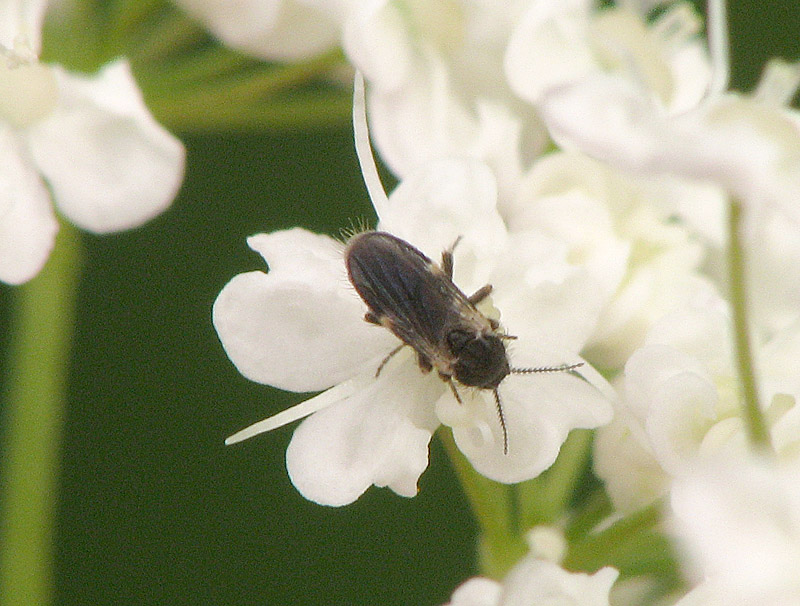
607 248
86 143
537 580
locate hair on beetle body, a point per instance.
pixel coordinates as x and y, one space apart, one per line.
418 302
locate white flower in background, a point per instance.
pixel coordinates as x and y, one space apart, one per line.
749 145
300 327
621 231
560 43
739 525
773 276
435 71
437 86
681 403
533 582
276 30
87 141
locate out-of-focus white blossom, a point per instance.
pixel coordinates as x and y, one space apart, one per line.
560 43
277 30
87 140
434 69
739 524
619 229
748 145
681 403
535 581
437 86
300 327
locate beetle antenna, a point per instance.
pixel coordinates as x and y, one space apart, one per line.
502 420
530 371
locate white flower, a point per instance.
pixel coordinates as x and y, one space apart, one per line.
534 582
437 86
108 164
750 146
681 404
300 327
279 30
620 230
435 71
739 523
772 246
559 43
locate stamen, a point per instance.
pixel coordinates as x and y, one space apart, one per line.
302 410
676 26
366 159
717 26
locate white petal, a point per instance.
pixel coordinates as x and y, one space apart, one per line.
608 118
27 223
682 411
110 165
543 299
299 327
378 436
21 23
750 149
741 526
535 581
632 476
477 591
378 43
539 411
777 367
448 199
649 369
28 93
549 47
700 332
416 123
278 30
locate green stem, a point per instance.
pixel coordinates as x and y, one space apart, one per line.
601 548
594 510
245 85
501 545
489 500
171 33
35 398
127 16
754 417
182 71
544 499
319 111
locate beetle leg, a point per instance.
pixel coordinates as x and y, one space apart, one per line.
424 363
454 390
480 294
388 357
447 259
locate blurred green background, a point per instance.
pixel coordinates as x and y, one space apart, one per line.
153 508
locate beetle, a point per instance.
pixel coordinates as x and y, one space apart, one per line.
417 300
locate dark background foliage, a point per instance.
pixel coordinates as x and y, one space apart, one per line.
153 508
